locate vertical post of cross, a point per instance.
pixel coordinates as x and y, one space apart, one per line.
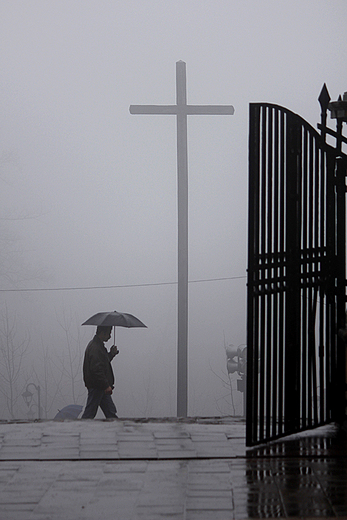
182 110
182 207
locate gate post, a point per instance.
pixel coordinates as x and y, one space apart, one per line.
338 111
340 386
292 313
252 276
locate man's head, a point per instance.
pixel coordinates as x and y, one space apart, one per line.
104 333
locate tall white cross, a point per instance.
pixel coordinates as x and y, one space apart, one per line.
182 110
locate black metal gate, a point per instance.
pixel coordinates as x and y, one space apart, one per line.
296 274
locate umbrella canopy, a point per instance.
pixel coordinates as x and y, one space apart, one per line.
71 411
114 319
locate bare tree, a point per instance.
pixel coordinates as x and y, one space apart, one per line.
227 399
49 380
14 270
146 398
12 356
70 360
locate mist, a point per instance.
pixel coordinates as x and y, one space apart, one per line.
88 217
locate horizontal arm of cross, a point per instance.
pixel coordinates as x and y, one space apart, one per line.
182 109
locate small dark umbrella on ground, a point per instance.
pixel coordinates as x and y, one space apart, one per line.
71 411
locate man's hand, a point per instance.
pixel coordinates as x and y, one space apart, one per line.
108 390
114 350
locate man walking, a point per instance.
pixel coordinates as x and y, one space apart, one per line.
98 375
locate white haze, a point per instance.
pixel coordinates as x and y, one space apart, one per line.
88 191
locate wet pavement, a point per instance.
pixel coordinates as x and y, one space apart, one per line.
182 469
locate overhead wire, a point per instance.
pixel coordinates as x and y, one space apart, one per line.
122 286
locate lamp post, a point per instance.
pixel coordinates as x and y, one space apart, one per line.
338 111
237 362
338 108
28 395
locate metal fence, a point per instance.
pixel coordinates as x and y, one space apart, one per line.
296 273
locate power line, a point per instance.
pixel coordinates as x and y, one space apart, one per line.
94 287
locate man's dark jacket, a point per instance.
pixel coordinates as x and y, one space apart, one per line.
97 369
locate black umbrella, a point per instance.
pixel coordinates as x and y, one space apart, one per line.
114 319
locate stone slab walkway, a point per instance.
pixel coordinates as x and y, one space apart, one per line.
186 470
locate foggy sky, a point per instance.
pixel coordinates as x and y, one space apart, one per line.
89 192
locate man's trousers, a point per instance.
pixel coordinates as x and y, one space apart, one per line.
96 398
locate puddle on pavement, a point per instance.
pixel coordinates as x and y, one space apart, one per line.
302 477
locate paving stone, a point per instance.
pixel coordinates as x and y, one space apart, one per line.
176 447
57 454
209 467
16 507
171 435
209 504
126 467
132 444
176 454
101 455
208 515
128 437
119 483
172 444
18 443
163 510
98 446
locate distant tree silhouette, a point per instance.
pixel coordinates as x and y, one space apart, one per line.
12 360
69 361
